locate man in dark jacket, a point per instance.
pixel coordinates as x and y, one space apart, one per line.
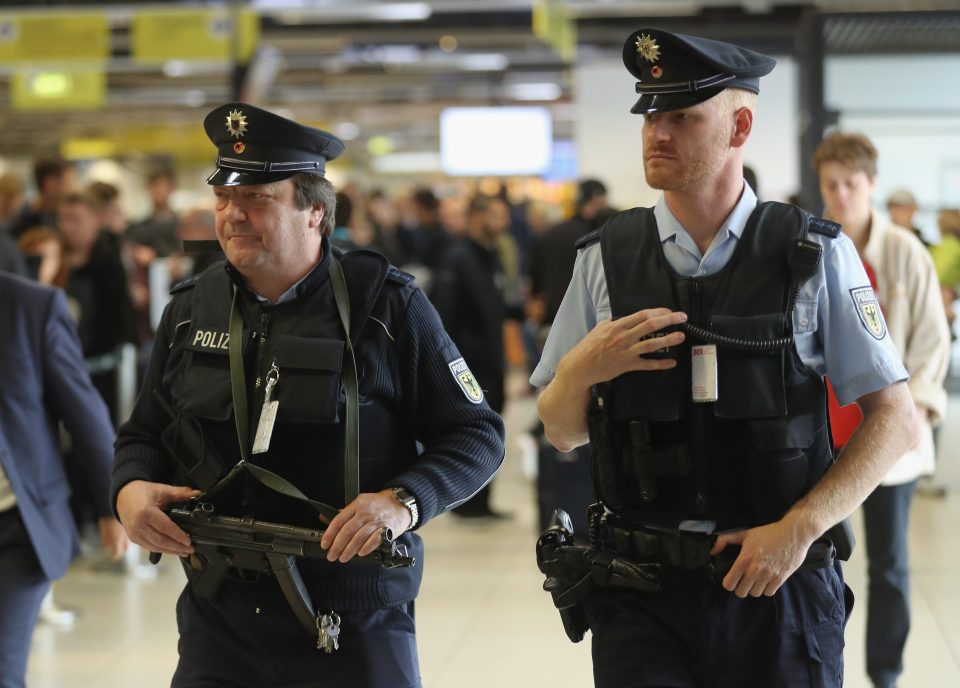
469 294
275 362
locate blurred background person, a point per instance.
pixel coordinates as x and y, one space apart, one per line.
553 253
469 295
385 224
905 282
11 200
432 238
946 257
159 229
43 250
38 537
53 178
97 281
902 207
197 224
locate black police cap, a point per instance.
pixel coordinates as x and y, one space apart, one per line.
255 146
676 71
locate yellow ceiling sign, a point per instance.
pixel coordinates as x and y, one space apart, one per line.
39 37
553 25
58 90
215 34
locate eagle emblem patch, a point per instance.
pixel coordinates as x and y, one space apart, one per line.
865 301
463 376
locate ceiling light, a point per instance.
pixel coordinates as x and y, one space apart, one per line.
406 163
448 43
347 131
299 11
535 91
484 62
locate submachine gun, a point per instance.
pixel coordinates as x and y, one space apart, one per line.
222 543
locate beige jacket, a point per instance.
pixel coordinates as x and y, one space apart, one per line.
910 297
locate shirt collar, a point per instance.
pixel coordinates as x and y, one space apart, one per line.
669 226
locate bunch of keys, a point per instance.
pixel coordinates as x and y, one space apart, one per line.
328 632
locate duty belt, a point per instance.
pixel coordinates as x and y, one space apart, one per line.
690 551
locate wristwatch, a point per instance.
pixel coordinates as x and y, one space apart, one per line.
410 502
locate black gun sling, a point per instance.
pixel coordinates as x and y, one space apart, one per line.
284 567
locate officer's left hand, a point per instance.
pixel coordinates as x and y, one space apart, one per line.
768 555
357 528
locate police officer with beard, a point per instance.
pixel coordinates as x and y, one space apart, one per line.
690 351
265 371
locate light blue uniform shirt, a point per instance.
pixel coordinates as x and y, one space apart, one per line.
829 333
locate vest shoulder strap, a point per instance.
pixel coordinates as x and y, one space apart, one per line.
587 239
366 272
399 276
824 227
184 284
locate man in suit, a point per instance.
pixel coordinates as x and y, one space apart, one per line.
45 383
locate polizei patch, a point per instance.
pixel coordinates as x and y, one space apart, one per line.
868 310
463 376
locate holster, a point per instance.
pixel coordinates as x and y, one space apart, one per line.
572 571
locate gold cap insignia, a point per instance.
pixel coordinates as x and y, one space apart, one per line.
648 48
236 123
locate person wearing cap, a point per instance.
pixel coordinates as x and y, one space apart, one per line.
690 351
905 282
902 207
299 385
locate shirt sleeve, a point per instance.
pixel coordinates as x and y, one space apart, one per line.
858 353
582 306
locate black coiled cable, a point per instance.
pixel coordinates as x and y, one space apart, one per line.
738 343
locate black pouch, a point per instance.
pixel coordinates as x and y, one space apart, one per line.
778 464
308 387
193 454
750 384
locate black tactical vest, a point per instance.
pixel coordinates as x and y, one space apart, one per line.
744 459
305 339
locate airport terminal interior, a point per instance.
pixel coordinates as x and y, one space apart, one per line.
437 102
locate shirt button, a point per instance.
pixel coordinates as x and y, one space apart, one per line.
804 321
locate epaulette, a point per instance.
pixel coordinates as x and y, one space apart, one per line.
399 276
184 284
587 239
825 227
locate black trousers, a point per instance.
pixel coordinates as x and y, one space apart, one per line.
695 634
886 517
250 638
22 588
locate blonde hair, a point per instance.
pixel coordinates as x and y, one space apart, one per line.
732 99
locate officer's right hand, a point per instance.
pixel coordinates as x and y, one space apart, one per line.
618 346
140 507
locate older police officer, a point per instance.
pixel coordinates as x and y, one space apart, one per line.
690 350
272 364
